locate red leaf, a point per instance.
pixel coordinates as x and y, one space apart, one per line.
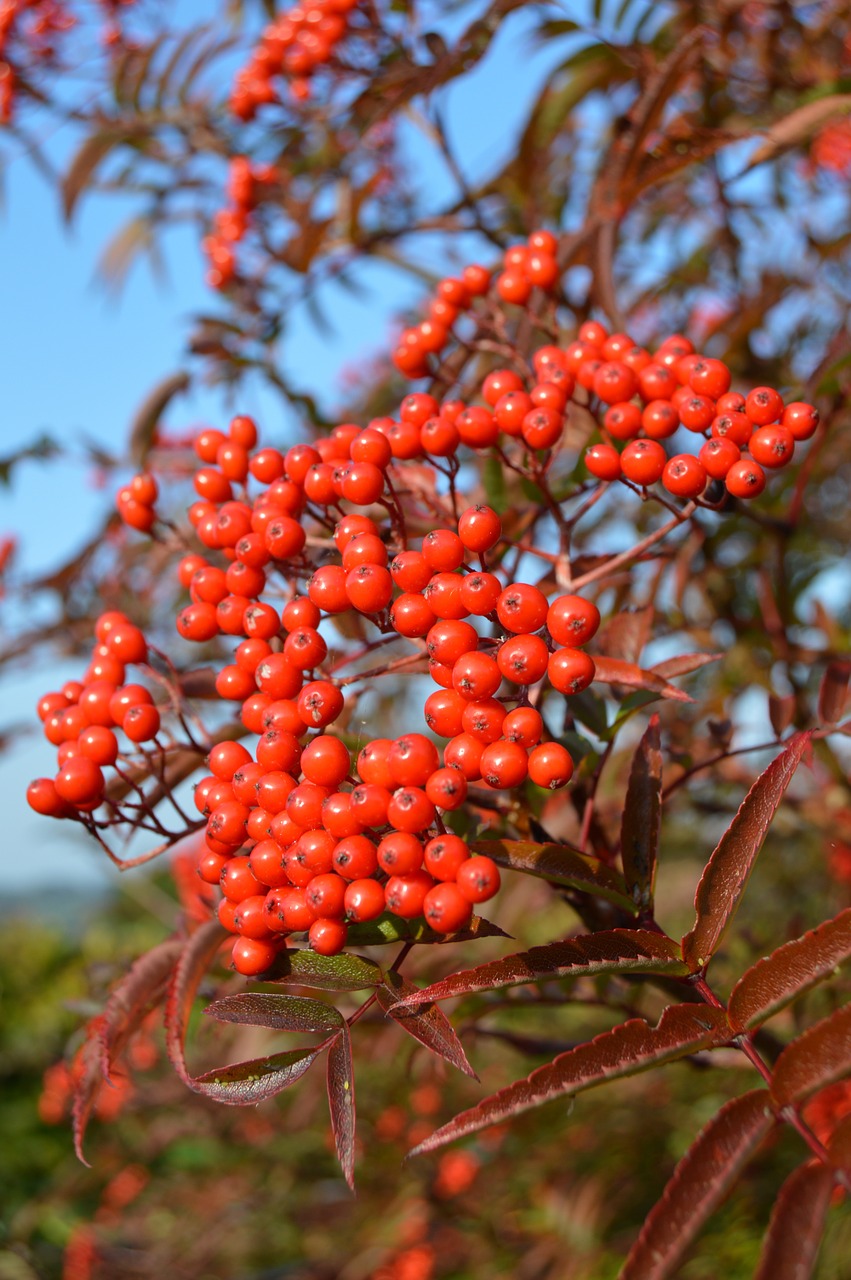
819 1056
613 671
610 951
560 864
431 1027
698 1185
139 991
833 692
283 1013
642 816
726 874
341 1101
794 1233
191 966
840 1145
684 664
787 973
625 1050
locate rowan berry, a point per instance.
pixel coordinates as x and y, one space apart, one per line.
550 765
542 269
364 900
709 378
745 479
772 446
614 381
373 762
483 719
524 725
267 863
278 750
338 817
480 593
572 620
373 447
305 648
697 412
277 677
570 670
643 462
477 427
411 615
660 420
763 405
445 908
513 286
328 589
443 550
449 639
476 676
363 483
801 419
522 608
510 410
447 788
300 612
288 911
404 894
400 854
443 594
369 804
523 659
410 810
476 279
464 752
478 879
411 760
443 710
623 420
733 426
325 760
237 880
249 917
603 462
44 798
234 683
100 744
444 854
253 956
504 764
542 428
718 455
684 476
355 858
439 437
364 548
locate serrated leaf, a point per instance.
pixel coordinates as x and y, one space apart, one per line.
642 815
627 1049
791 1244
344 972
609 951
819 1056
283 1013
790 971
614 671
244 1084
193 962
698 1185
431 1027
139 991
729 867
798 127
340 1082
833 692
560 864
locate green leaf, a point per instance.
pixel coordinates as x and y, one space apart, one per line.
282 1013
344 972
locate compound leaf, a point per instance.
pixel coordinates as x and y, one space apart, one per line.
698 1185
729 867
624 1051
610 951
788 972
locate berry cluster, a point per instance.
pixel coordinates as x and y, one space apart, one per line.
300 41
247 186
33 25
82 721
525 267
135 502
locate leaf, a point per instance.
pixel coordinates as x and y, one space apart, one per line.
778 979
819 1056
798 127
833 692
840 1145
340 1082
698 1184
609 951
389 928
344 972
82 168
192 964
560 864
614 671
283 1013
244 1084
139 991
625 1050
147 416
684 664
781 712
794 1232
729 867
431 1027
642 817
627 632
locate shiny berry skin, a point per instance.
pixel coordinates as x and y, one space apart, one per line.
464 752
550 765
476 676
445 908
325 760
478 879
643 462
404 895
733 426
449 640
745 479
570 670
801 419
480 593
772 446
504 764
603 462
325 895
524 725
522 608
410 810
444 855
400 854
763 405
447 789
572 620
523 659
479 528
623 420
327 937
684 476
710 378
412 759
660 420
364 901
718 455
253 956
